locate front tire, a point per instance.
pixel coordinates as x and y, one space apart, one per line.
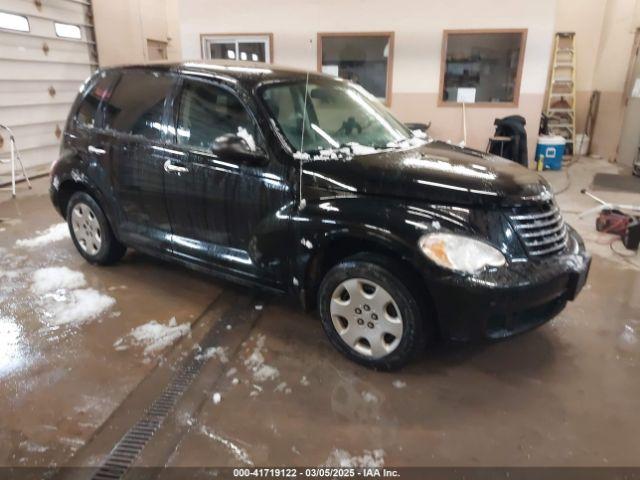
370 315
91 232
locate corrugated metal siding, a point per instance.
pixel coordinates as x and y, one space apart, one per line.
40 74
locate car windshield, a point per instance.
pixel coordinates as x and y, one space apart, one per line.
335 115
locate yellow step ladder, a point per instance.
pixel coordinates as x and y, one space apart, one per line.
561 92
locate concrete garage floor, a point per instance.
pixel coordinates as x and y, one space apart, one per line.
272 391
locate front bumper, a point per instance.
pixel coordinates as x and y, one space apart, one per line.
504 302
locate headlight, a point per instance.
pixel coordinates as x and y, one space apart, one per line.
463 254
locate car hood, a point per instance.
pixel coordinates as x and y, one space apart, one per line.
436 172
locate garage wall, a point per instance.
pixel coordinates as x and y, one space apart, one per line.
40 74
605 32
614 55
418 27
586 19
124 26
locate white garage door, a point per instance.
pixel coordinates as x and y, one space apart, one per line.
47 49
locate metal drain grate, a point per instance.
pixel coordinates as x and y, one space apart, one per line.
133 442
130 446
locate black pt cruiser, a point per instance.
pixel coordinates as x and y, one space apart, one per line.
302 183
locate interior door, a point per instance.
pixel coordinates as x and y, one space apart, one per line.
134 118
217 202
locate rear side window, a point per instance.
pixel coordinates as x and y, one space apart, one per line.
208 112
88 109
136 104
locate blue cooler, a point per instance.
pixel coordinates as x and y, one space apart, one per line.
552 149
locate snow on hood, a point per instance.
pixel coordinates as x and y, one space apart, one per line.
352 149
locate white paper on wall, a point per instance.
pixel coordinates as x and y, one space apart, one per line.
466 95
330 70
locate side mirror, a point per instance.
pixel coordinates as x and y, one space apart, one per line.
418 126
237 147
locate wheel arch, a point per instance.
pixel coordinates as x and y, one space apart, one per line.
338 247
66 190
71 185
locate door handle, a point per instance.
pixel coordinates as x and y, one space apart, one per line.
169 167
96 150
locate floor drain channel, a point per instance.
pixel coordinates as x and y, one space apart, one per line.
127 450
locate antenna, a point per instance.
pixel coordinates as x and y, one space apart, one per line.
301 202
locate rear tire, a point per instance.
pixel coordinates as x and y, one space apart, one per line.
370 315
91 232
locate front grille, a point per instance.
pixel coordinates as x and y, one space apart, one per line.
541 229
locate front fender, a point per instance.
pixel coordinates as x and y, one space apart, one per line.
381 224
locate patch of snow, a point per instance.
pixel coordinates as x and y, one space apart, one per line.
419 134
628 339
154 336
214 352
301 156
282 387
306 243
247 137
117 287
54 278
369 397
265 372
399 384
185 419
238 452
33 447
76 306
72 442
235 381
304 382
412 142
229 327
78 176
368 459
258 307
326 154
232 372
216 398
52 234
255 363
358 149
9 274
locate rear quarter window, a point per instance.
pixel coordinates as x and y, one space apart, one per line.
136 104
87 112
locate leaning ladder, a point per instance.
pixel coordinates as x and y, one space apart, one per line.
561 92
15 155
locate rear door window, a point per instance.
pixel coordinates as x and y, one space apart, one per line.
136 105
87 112
208 112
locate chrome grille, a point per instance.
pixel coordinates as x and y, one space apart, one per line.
541 229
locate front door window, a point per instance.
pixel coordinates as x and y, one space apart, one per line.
208 113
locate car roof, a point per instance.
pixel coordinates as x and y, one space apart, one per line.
247 73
